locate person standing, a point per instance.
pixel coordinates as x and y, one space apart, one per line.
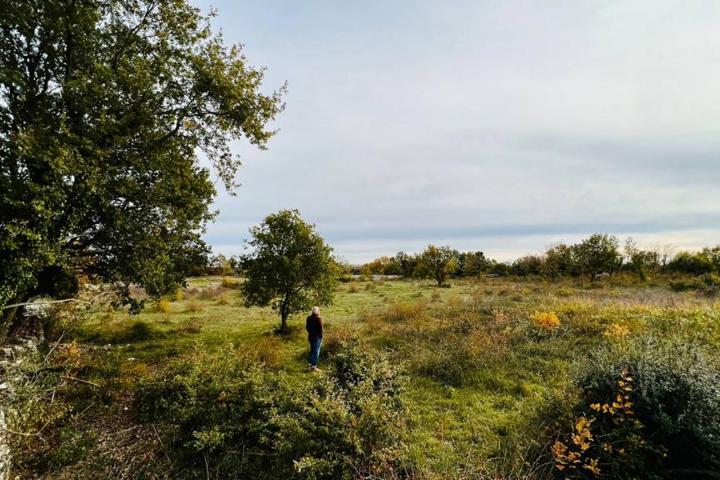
314 327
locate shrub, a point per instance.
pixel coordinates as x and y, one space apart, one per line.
694 263
193 307
708 284
230 283
545 320
230 415
646 410
616 332
164 306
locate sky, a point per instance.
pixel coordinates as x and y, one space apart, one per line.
503 126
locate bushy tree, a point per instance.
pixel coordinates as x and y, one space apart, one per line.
290 266
694 263
437 263
473 263
103 106
641 261
597 254
528 265
560 261
713 255
406 263
381 266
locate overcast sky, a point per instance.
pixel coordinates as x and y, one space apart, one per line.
501 126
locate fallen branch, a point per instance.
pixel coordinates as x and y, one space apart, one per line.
80 380
55 346
51 302
47 302
162 445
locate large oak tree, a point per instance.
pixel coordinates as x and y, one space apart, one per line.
104 108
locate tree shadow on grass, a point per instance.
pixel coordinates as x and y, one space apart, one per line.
133 332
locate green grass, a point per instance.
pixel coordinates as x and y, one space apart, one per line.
508 366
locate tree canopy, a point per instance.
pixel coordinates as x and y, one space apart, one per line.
104 107
437 263
290 266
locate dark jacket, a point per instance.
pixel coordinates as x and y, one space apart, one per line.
314 326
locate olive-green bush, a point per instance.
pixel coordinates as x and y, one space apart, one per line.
648 409
229 416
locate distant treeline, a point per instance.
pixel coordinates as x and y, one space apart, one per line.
596 255
599 254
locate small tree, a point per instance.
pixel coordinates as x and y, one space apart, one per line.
407 264
290 267
474 263
105 106
437 263
641 261
560 260
528 265
598 254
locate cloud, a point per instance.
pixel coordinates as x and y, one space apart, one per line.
497 126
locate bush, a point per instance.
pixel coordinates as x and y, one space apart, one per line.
694 263
193 307
545 320
164 306
230 283
708 284
646 410
229 414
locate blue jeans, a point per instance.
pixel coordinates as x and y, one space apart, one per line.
315 344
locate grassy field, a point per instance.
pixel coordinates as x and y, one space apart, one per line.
480 357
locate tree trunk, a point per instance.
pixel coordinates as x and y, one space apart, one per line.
7 321
5 453
283 320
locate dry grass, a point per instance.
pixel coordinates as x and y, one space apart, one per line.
193 306
398 311
164 306
191 326
211 292
230 283
268 350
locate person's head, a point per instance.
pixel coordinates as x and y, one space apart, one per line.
316 310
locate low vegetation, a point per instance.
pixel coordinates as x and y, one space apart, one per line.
490 378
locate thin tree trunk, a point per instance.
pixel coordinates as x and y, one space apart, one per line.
7 320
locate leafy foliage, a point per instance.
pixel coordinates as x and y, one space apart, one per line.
696 263
437 263
598 254
238 420
646 410
290 267
103 106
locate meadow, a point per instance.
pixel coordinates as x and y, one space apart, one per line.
482 362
